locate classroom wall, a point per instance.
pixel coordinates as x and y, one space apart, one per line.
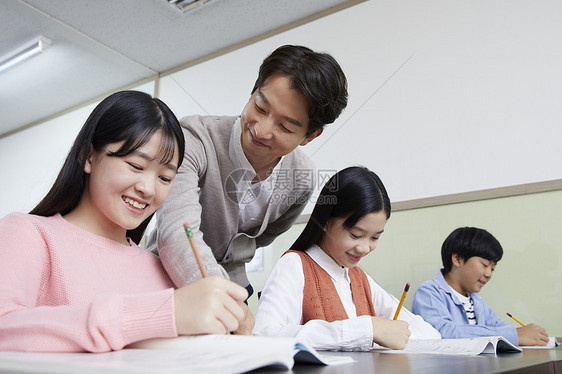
443 94
527 281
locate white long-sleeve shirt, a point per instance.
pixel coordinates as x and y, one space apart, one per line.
280 308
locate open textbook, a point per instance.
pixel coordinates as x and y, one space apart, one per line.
464 347
205 354
252 351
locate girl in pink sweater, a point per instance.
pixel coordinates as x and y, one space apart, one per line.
71 279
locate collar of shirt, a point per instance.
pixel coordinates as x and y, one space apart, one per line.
336 272
463 299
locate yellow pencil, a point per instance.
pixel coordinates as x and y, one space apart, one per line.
516 320
195 250
401 300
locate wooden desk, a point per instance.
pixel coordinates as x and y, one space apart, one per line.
529 361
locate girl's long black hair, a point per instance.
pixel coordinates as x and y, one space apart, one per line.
131 117
353 192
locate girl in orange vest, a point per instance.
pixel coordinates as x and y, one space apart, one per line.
316 291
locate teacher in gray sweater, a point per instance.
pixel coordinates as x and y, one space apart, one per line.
243 180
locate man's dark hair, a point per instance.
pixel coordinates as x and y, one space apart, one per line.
317 75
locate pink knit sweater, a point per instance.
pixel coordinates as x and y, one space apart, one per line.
64 289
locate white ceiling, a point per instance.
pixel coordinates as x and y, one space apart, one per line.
104 45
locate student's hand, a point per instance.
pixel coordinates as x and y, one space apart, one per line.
532 334
247 324
389 333
209 306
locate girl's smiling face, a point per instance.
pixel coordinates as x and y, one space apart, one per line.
347 246
121 192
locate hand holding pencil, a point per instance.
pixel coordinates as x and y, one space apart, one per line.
392 334
389 333
530 334
212 305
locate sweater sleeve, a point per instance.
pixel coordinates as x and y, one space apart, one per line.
280 313
182 205
109 322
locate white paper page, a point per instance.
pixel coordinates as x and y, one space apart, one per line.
125 361
463 347
207 354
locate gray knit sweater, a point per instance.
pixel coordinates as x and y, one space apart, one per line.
201 196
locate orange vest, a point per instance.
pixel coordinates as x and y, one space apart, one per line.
320 298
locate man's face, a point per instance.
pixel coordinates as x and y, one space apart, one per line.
274 122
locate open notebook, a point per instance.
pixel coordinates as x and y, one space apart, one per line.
206 354
464 347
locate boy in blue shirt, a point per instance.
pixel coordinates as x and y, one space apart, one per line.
451 301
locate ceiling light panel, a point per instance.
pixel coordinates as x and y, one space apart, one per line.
186 5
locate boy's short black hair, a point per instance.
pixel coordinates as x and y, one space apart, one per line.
468 242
